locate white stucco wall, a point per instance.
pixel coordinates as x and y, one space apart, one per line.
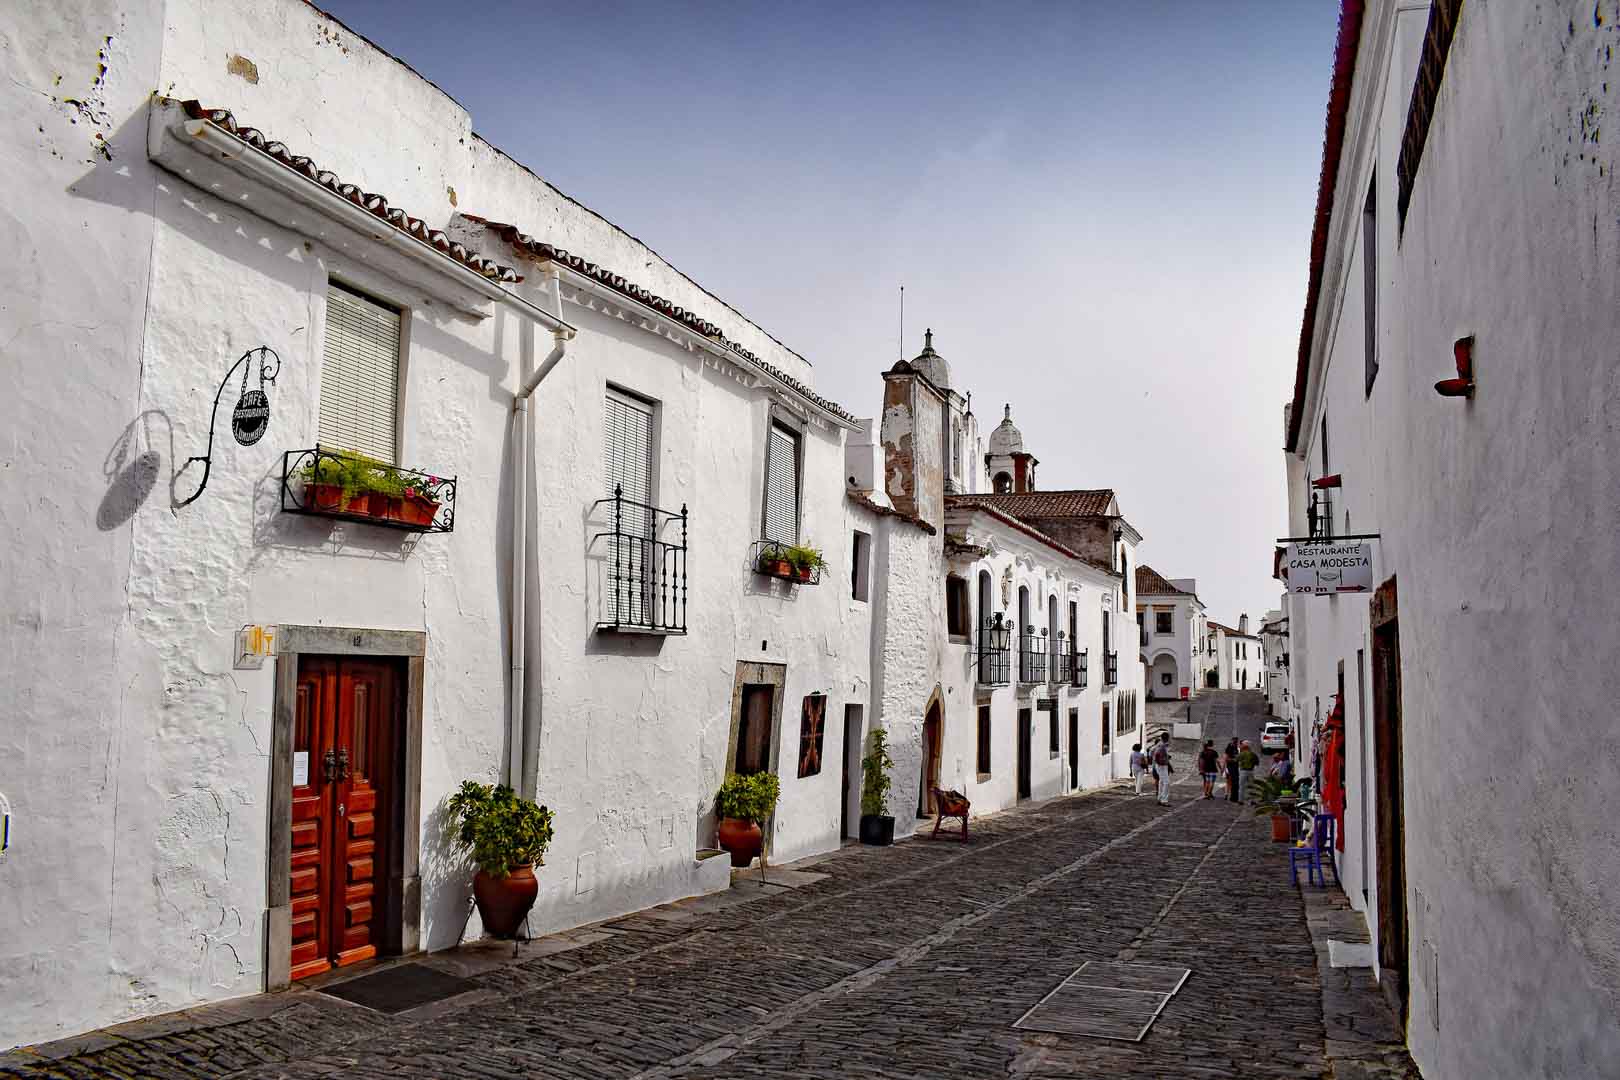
135 759
1489 520
1175 652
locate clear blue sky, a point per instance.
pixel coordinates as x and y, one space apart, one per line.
1103 210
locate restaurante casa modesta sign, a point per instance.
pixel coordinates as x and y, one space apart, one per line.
1325 568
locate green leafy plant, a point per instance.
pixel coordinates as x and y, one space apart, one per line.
1267 793
499 827
358 474
751 797
805 559
772 553
875 769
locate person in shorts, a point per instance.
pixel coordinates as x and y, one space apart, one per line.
1139 766
1208 764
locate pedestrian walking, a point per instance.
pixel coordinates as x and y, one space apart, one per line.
1230 764
1208 759
1162 768
1139 765
1247 761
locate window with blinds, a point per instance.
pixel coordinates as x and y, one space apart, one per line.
628 446
360 375
782 486
628 466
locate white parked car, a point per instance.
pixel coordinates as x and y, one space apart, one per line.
1274 736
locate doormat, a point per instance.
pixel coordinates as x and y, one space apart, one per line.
396 989
1106 1000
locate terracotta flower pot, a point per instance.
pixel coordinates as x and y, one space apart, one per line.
776 567
1279 828
742 838
417 509
330 497
803 572
503 903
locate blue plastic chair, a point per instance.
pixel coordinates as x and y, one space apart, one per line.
1316 854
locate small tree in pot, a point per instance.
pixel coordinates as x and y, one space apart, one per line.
742 805
1275 796
877 826
507 836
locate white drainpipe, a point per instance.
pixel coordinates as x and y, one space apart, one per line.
517 776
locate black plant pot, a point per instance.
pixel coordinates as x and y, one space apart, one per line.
877 829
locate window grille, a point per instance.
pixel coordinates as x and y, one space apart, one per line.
360 375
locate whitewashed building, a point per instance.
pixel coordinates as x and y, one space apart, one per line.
239 694
1171 630
1454 397
1274 643
1238 656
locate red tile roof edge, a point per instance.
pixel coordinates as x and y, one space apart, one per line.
540 249
972 502
1344 68
862 499
1154 578
375 204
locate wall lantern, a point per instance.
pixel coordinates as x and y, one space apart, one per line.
1463 384
997 634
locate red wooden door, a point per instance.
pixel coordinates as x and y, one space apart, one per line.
343 747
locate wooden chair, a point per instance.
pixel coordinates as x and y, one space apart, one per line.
950 804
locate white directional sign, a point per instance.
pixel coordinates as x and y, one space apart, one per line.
1325 568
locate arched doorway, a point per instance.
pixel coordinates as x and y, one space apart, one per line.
1212 679
932 738
1163 677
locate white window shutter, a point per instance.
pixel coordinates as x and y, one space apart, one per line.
628 462
360 376
782 486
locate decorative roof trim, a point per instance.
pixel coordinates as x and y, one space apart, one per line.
865 501
1344 70
374 204
545 252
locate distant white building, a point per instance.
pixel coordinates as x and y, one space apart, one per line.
1171 631
1239 656
1274 645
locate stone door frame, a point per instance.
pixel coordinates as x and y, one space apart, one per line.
403 888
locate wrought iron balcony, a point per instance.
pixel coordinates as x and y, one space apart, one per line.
1142 635
991 653
1062 665
1032 658
353 487
1081 660
1111 669
645 559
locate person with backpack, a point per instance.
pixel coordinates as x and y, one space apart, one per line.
1139 765
1162 768
1208 759
1230 763
1247 761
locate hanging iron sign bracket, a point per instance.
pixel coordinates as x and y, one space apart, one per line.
251 417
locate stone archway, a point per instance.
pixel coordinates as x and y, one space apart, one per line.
1164 666
933 741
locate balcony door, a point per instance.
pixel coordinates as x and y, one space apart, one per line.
628 461
1026 720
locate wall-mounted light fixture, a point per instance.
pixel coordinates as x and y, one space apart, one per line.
1463 384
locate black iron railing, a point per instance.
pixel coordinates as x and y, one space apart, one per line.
352 487
1111 669
1081 660
995 666
1062 665
645 590
1032 662
1142 635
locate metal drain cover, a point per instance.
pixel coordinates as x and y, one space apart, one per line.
396 989
1106 1000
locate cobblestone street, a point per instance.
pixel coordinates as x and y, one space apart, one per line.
823 980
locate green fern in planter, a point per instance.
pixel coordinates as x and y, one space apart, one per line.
499 827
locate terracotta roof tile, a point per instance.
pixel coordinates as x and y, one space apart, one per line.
369 201
1150 583
986 504
540 249
861 498
1080 502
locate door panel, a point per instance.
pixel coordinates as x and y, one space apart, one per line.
345 725
311 812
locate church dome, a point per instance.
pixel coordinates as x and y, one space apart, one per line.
931 364
1006 439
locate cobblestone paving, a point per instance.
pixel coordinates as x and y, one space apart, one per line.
912 961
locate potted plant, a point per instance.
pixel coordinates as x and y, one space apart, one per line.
507 836
773 560
877 826
806 561
352 483
1273 796
742 805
